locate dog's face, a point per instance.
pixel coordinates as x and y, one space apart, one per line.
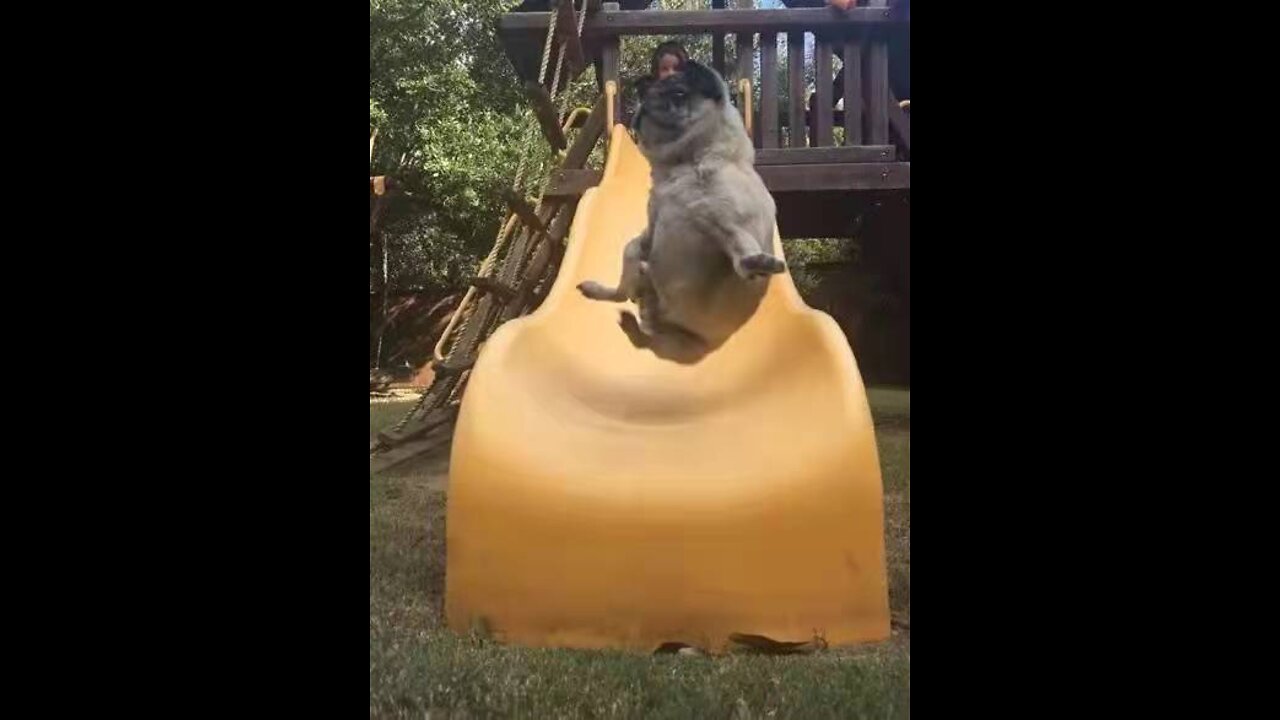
674 106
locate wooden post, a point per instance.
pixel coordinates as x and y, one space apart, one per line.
379 206
769 90
877 92
609 53
876 86
746 56
852 92
746 69
795 88
717 43
822 88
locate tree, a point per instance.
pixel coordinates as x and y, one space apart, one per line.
449 115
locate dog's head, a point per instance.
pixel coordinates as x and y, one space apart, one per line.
689 101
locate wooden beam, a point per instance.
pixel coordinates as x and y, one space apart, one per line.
607 23
826 213
816 163
852 91
417 426
559 230
567 33
523 210
524 52
769 90
826 155
544 253
429 434
846 176
795 89
570 183
545 111
493 287
583 144
586 137
822 91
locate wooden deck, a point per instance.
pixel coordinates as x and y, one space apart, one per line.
778 178
820 192
777 164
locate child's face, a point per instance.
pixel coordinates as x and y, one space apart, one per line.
667 64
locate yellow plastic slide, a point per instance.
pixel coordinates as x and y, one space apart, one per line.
602 497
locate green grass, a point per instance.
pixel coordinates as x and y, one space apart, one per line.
417 666
383 415
890 406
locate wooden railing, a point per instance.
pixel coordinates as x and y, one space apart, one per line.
859 35
811 120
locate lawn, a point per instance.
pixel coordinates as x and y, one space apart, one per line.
418 668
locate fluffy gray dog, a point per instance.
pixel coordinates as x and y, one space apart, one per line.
700 268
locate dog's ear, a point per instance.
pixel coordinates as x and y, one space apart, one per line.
642 85
703 80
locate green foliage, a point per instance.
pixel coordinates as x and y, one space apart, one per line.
803 253
449 116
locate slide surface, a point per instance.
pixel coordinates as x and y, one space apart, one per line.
601 497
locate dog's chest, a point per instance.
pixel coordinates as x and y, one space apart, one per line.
688 195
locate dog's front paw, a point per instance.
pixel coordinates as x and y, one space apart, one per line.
760 265
631 327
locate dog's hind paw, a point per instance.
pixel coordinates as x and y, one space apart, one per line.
595 290
759 265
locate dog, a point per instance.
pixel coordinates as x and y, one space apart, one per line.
700 268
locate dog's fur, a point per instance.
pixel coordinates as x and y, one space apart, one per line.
700 268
